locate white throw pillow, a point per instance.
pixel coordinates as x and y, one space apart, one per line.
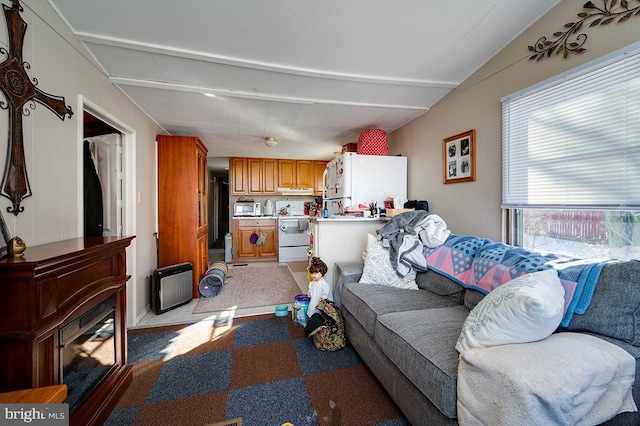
526 309
378 269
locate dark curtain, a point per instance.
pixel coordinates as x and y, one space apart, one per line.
93 219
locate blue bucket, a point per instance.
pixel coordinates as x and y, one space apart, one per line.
299 309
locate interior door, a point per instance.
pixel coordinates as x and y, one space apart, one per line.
107 154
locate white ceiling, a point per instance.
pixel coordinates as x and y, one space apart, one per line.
313 74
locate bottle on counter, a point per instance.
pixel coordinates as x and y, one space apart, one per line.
325 212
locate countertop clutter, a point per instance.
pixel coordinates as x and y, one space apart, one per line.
348 219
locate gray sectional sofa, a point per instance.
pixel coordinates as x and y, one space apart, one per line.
407 337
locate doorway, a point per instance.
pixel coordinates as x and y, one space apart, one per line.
103 178
219 211
97 122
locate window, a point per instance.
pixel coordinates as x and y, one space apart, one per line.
571 160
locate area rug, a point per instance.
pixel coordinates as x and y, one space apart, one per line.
261 369
251 287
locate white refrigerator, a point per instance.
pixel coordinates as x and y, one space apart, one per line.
351 179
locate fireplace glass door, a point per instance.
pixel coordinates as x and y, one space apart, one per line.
87 351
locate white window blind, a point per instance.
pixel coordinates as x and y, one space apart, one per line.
574 141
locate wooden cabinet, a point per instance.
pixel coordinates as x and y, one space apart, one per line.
262 175
318 171
203 255
203 185
287 173
244 250
253 176
182 204
269 175
295 174
304 174
238 176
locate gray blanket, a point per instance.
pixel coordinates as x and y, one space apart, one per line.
405 234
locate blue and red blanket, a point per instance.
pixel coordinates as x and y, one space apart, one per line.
483 265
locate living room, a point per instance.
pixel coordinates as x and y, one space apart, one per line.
53 212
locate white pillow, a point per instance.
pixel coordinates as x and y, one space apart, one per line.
378 269
526 309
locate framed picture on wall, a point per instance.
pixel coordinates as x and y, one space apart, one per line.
459 157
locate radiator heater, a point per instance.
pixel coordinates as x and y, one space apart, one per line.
171 286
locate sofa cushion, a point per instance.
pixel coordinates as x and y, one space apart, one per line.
345 272
440 285
422 345
367 301
526 309
567 379
614 310
472 298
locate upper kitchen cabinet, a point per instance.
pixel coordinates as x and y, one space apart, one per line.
238 176
253 176
262 175
318 171
182 204
295 174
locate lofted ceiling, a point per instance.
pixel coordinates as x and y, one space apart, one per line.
313 74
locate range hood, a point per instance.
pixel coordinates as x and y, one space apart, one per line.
295 191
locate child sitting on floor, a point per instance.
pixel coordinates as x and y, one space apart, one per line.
318 288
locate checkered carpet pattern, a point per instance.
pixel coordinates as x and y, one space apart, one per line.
261 369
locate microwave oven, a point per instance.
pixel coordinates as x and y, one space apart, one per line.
247 209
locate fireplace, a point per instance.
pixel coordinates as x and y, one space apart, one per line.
87 351
62 321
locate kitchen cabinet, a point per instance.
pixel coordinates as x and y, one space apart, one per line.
182 204
304 174
318 171
262 175
295 174
238 176
253 176
244 250
286 173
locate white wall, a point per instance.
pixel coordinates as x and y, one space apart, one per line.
53 148
474 207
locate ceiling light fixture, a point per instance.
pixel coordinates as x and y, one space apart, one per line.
270 141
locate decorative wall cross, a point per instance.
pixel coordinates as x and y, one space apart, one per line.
21 94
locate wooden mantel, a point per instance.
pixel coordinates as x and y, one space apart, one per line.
48 286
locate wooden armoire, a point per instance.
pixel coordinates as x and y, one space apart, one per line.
182 204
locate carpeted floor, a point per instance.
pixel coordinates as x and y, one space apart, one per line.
261 369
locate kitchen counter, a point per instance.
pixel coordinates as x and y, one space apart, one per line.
274 216
264 216
349 219
342 238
